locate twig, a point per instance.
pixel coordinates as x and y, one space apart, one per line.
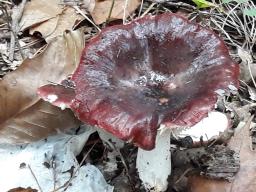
31 43
183 175
7 2
87 18
66 185
53 165
110 11
148 9
124 14
141 6
123 161
181 4
35 178
16 16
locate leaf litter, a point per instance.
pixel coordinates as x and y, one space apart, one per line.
25 105
23 114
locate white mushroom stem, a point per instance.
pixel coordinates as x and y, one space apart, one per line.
154 166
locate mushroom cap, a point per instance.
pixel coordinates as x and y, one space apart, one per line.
156 70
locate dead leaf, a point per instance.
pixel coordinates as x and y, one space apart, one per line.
102 9
252 93
38 11
247 67
23 116
58 25
83 4
51 18
21 189
245 73
245 180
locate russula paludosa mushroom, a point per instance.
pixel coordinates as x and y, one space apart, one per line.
158 70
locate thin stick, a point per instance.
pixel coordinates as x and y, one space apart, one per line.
35 178
110 11
141 6
148 9
66 185
87 18
124 15
123 161
183 175
7 2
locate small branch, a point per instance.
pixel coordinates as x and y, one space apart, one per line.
141 6
33 174
87 18
110 11
66 185
148 9
124 14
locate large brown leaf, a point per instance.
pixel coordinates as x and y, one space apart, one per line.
102 9
245 180
23 116
58 25
51 18
38 11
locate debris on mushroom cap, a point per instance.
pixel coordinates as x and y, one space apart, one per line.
156 70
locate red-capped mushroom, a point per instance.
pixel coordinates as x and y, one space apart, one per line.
156 70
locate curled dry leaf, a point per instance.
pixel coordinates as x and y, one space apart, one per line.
247 67
245 178
58 25
23 116
38 11
50 18
245 74
102 9
21 189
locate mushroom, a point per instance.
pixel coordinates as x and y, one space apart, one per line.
155 71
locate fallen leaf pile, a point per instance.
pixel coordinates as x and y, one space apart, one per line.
23 116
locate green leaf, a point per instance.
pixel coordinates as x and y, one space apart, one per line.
250 12
203 4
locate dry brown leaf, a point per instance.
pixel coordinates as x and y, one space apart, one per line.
21 189
23 116
245 72
58 25
38 11
245 180
51 18
102 9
